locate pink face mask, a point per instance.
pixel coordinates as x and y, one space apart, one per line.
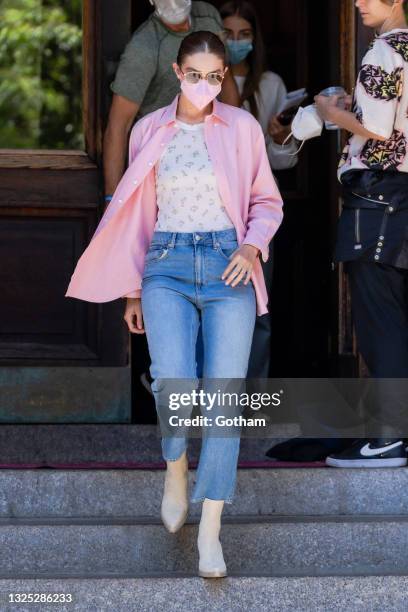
200 94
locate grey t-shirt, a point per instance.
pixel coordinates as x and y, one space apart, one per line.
145 74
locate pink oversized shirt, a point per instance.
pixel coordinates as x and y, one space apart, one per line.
112 264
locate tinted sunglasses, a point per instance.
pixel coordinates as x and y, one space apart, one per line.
213 78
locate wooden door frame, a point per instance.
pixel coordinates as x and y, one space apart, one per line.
92 62
23 171
348 361
91 115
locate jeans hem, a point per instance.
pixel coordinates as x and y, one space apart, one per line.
229 500
176 459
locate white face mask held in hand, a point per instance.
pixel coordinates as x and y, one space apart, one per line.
306 124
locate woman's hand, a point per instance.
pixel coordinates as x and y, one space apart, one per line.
242 263
278 131
133 315
326 105
344 119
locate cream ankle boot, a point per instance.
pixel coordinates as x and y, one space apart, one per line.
174 506
211 564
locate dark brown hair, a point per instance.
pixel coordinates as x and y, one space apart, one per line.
256 58
201 41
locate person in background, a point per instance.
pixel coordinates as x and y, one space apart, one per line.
144 79
262 93
372 237
373 226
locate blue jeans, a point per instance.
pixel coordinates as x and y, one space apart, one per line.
260 355
182 286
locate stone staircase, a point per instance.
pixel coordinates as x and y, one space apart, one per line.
294 539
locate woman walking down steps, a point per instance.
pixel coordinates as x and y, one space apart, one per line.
181 240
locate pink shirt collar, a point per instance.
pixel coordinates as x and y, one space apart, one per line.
169 113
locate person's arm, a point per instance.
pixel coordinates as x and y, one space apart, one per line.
377 95
121 117
265 206
281 156
134 74
329 111
274 94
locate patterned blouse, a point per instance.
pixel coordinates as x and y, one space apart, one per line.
380 103
188 199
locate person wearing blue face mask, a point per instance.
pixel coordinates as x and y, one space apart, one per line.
239 49
262 93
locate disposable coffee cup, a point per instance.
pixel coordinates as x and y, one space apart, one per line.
341 103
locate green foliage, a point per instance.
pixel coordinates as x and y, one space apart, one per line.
41 74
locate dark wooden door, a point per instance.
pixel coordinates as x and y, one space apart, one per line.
354 39
302 47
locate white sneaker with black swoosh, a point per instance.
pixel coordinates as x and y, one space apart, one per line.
372 453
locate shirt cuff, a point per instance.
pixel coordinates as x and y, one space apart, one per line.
290 144
263 251
133 294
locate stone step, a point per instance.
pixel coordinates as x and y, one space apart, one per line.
267 546
51 444
137 493
252 594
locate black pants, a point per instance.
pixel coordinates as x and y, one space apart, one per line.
379 304
260 356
